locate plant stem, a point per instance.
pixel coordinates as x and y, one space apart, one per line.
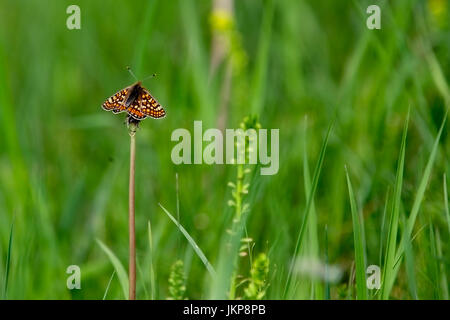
239 185
236 220
131 222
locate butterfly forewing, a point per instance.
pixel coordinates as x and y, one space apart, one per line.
116 103
149 106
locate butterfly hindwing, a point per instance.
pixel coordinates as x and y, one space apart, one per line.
134 110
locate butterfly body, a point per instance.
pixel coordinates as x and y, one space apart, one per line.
136 101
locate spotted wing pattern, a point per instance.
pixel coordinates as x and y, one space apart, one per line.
139 107
149 106
116 103
135 111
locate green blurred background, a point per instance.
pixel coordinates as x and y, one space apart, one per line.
298 65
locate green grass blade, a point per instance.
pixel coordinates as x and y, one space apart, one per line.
359 244
447 212
327 283
309 202
118 267
144 33
8 261
152 270
220 288
383 228
442 274
409 265
389 263
438 75
109 284
419 197
192 242
317 288
438 242
259 80
434 264
424 181
197 57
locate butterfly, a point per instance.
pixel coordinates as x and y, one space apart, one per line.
136 101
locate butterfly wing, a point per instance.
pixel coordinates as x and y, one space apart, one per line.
139 108
116 103
149 106
134 110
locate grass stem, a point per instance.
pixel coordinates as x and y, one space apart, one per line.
131 217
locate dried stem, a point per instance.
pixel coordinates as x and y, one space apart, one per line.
220 45
220 50
131 222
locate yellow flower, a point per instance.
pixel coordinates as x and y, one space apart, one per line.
438 10
221 20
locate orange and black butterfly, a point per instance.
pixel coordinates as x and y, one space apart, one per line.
136 101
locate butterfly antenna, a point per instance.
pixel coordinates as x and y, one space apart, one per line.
132 73
150 76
